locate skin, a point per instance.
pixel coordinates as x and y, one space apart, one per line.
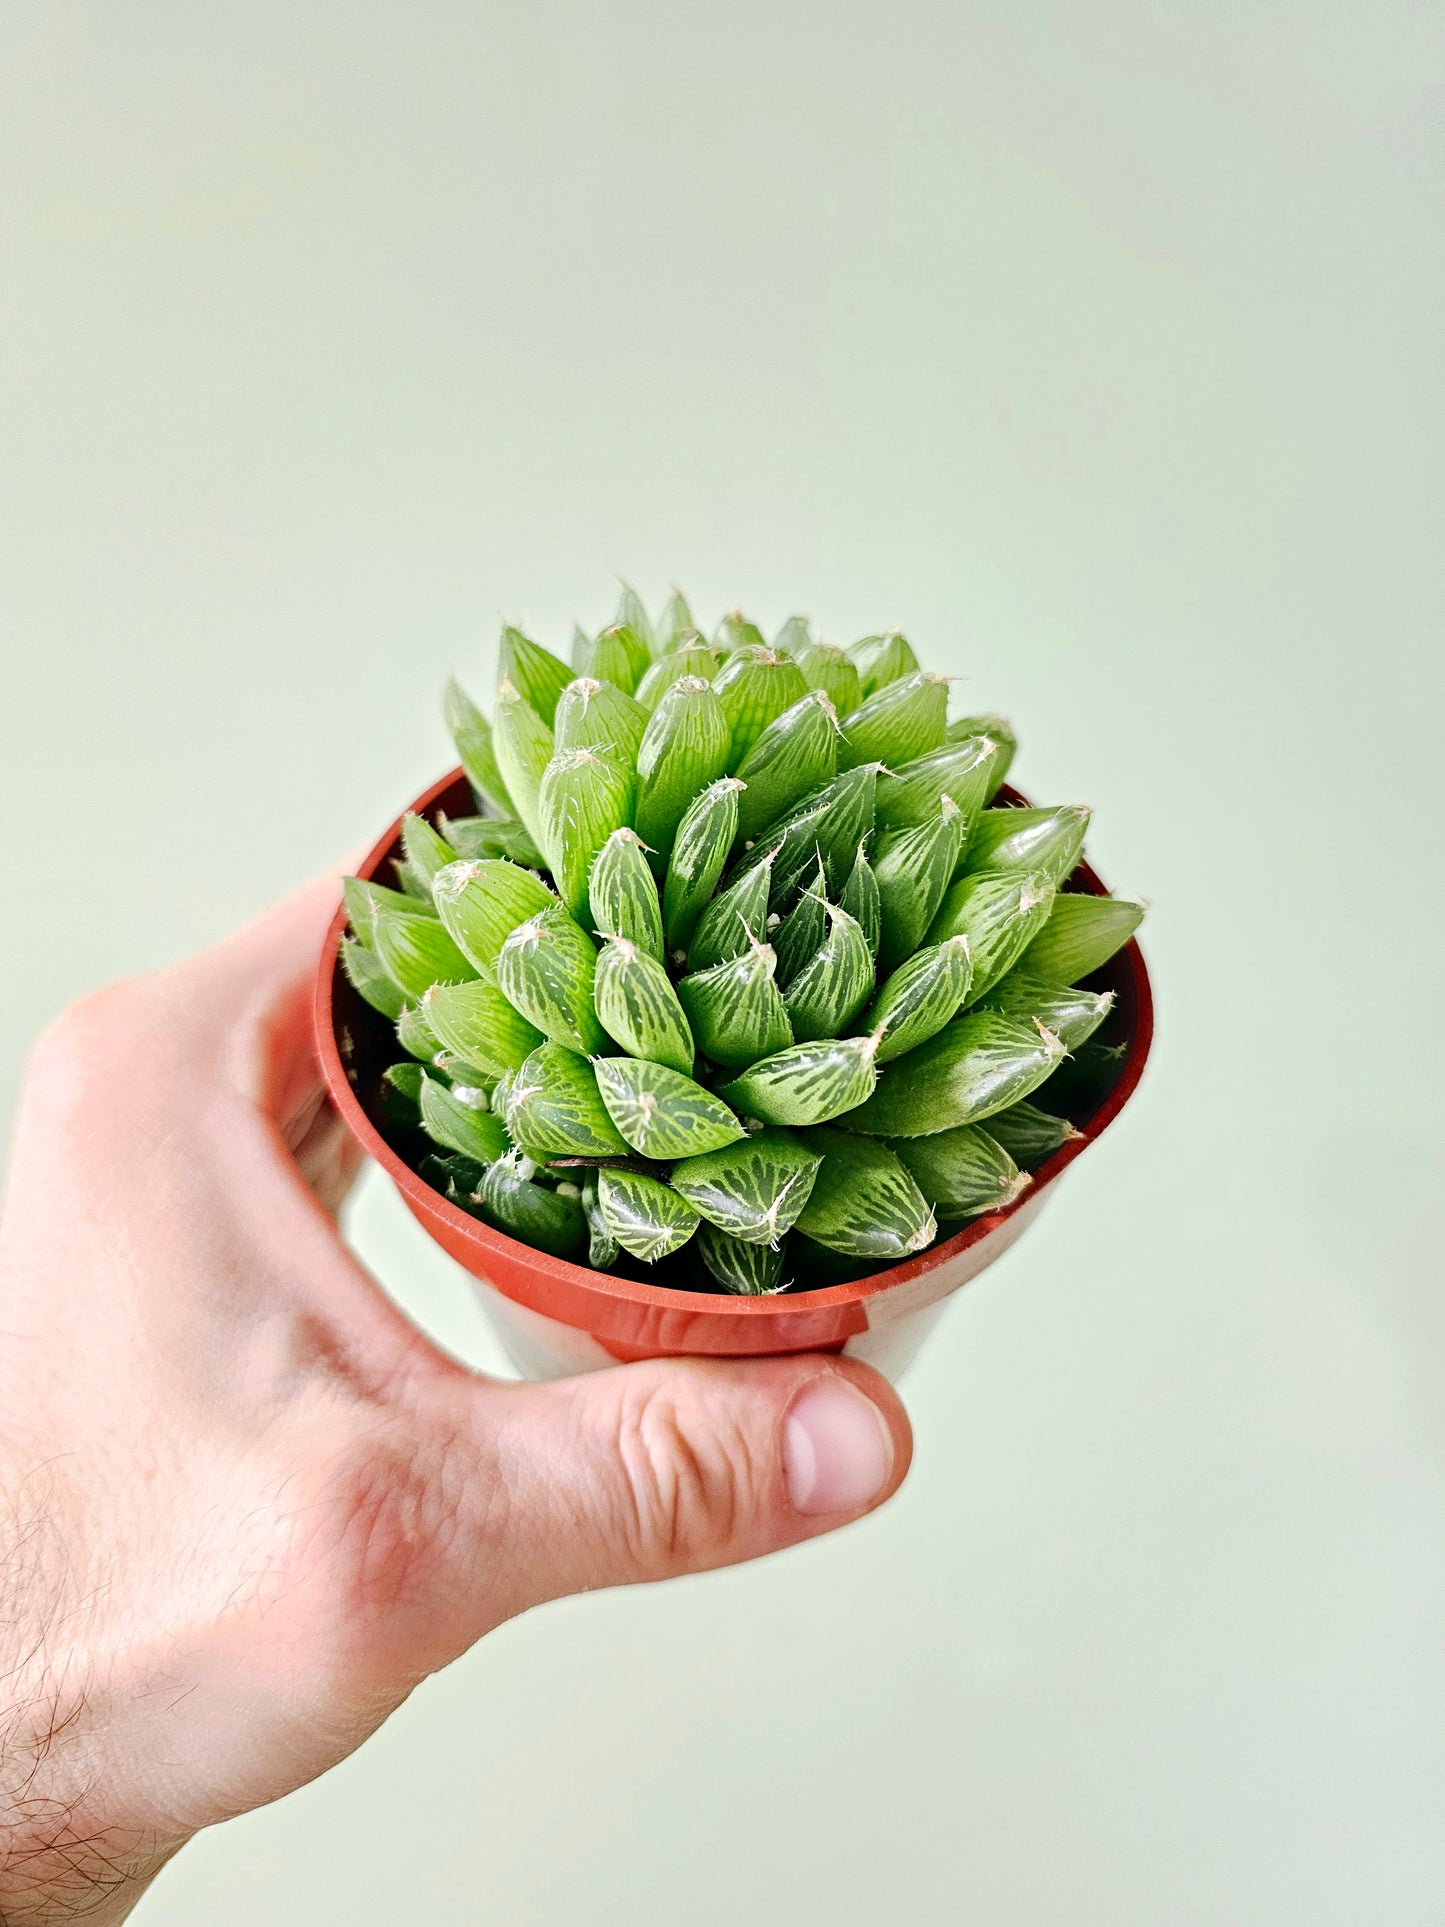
245 1507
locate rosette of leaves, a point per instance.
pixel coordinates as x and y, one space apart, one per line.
740 977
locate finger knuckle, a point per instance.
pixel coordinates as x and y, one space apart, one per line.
692 1478
390 1521
411 1524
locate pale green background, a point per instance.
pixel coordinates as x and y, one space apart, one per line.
1093 346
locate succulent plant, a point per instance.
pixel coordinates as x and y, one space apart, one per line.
740 978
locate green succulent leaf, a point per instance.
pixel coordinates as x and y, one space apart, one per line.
535 673
914 867
748 1271
736 1010
795 754
584 656
761 879
472 734
619 656
1003 744
882 660
920 997
846 823
684 748
673 624
913 793
691 657
554 1109
1000 912
502 1092
509 1201
400 1093
963 1171
734 920
793 852
474 837
1082 933
632 614
640 647
523 743
427 850
370 979
754 686
585 795
1072 1015
478 1024
807 1083
863 1201
735 632
416 952
411 881
752 1190
415 1034
603 1249
978 1064
660 1113
363 900
593 714
545 970
863 899
799 937
903 721
1030 1134
481 903
827 667
622 893
833 986
704 837
643 1215
458 1126
1017 839
472 1084
637 1005
830 823
455 1176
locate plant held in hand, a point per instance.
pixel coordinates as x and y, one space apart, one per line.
743 978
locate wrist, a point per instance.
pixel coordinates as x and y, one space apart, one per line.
54 1869
104 1906
68 1851
60 1861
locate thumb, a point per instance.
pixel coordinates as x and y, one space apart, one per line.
678 1465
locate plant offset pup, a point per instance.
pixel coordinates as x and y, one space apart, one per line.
738 980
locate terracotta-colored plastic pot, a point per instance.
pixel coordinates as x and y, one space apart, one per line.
557 1318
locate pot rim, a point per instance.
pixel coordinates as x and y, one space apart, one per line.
664 1298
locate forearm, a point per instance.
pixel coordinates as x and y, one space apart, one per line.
54 1876
55 1866
68 1851
60 1859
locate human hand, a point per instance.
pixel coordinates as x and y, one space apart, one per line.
244 1506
